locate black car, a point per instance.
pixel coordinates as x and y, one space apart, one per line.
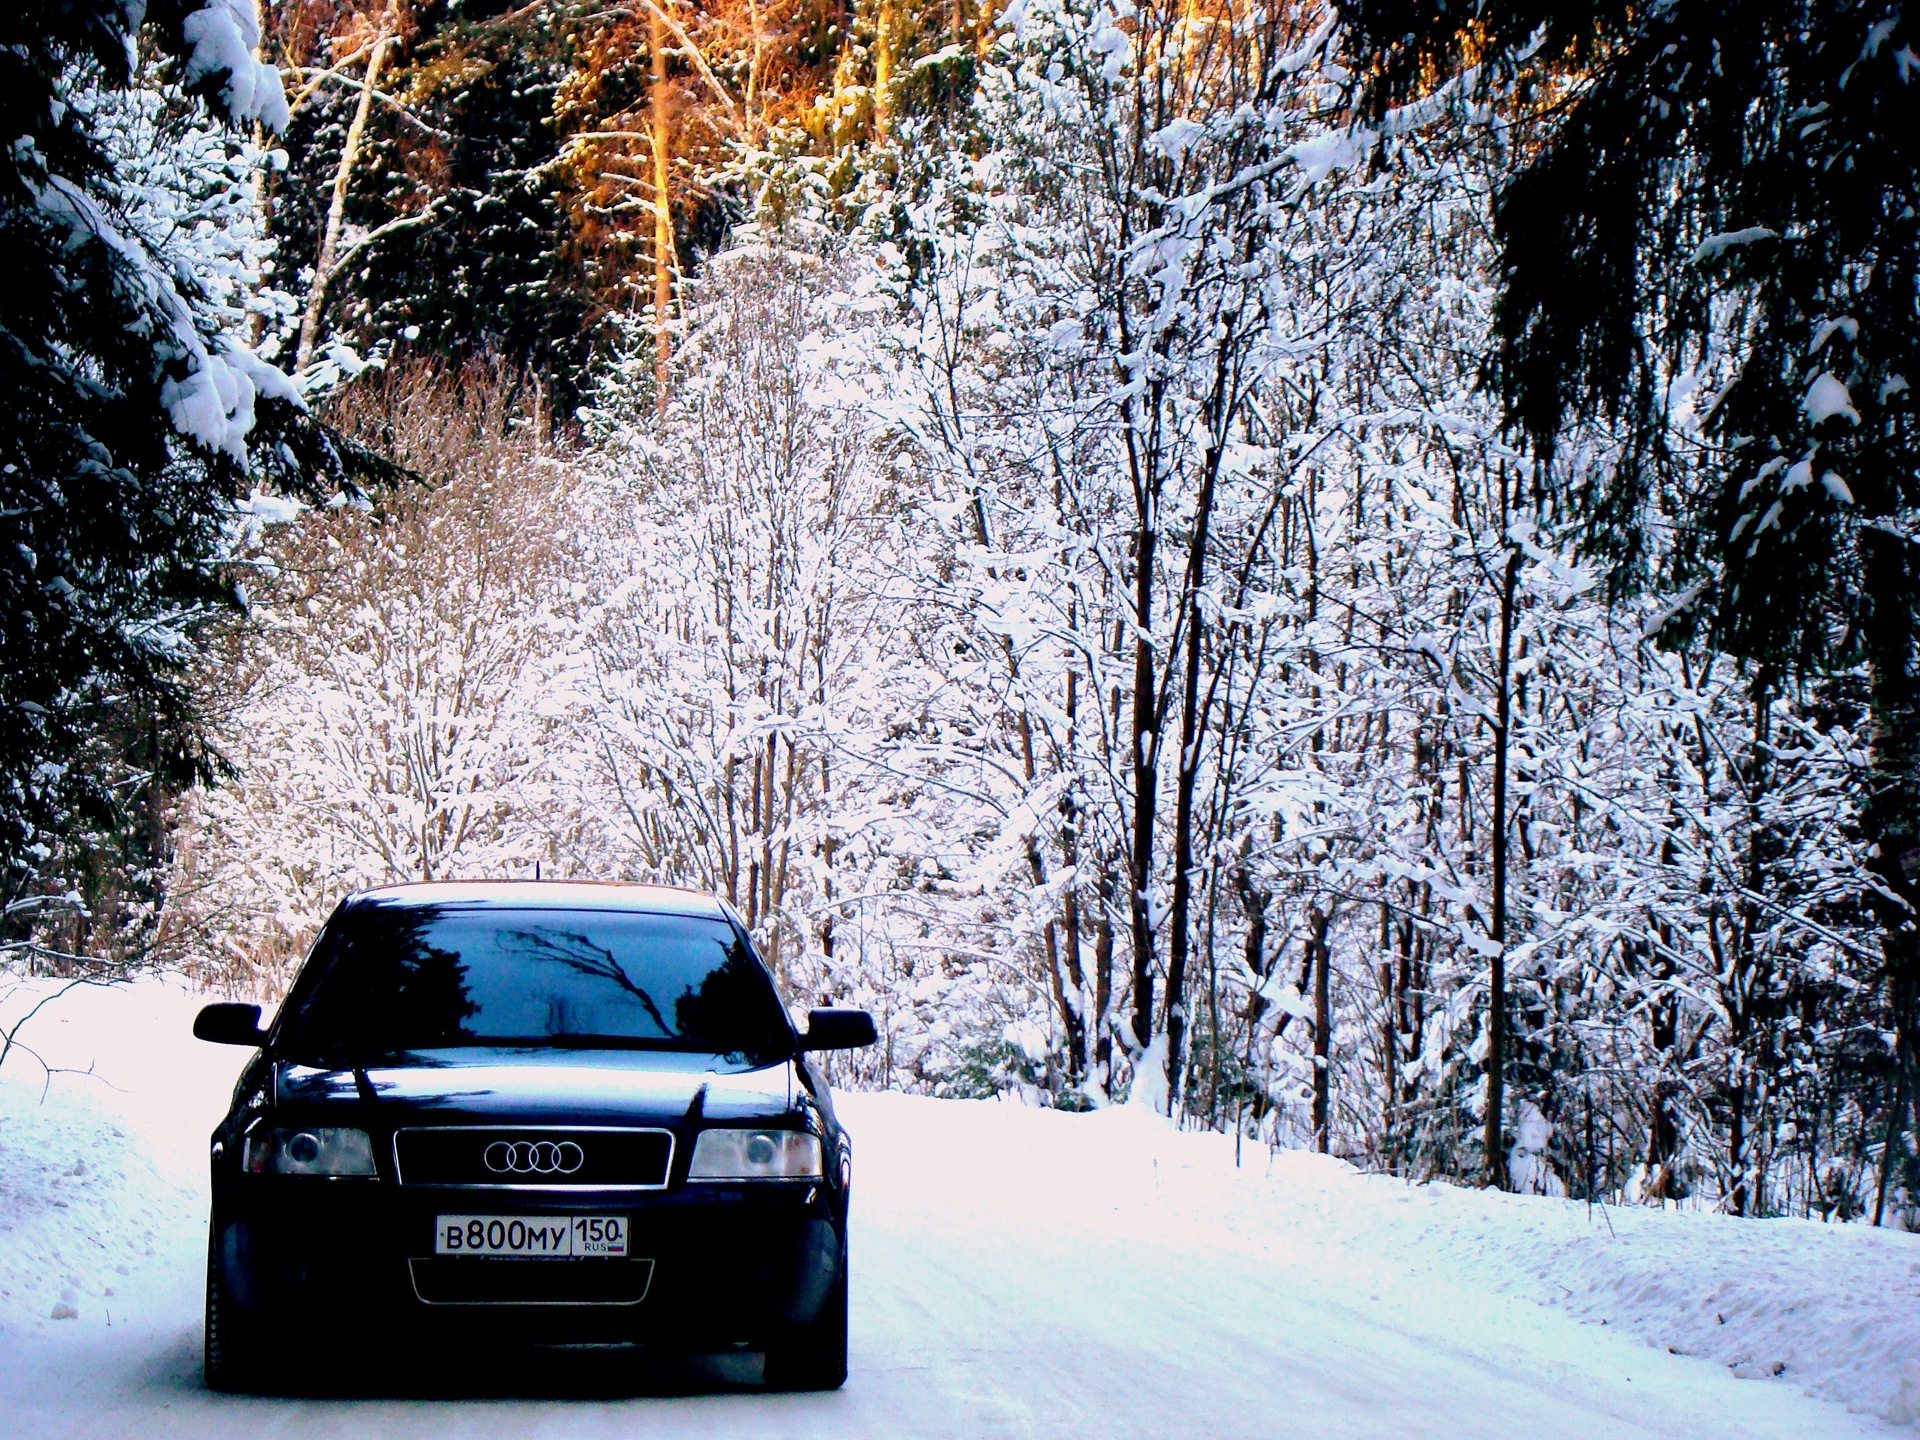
530 1113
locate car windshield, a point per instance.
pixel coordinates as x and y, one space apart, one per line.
392 978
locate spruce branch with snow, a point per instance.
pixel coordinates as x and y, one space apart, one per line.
139 420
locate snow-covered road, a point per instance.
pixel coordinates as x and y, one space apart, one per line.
1017 1272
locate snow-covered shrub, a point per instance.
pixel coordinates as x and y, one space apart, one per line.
391 713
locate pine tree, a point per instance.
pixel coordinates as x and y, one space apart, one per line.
492 268
137 422
502 183
456 238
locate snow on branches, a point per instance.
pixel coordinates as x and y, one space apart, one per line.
1090 612
222 38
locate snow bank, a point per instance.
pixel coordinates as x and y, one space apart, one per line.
1834 1309
100 1161
1831 1309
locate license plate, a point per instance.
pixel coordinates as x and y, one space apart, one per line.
533 1237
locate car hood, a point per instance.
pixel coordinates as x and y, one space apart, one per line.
540 1086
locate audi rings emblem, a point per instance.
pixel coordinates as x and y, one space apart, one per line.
533 1157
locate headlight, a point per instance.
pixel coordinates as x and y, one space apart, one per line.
755 1155
319 1151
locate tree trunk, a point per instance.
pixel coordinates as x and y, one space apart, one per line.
1389 1068
663 246
1319 956
1186 777
337 207
1146 779
1663 1126
883 28
1253 904
1103 980
1495 1136
1075 1018
752 107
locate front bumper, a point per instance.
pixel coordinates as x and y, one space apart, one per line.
306 1259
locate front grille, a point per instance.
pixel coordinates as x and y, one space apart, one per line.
440 1281
571 1159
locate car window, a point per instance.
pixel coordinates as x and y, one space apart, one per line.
392 978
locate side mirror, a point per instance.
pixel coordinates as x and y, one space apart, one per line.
838 1030
228 1024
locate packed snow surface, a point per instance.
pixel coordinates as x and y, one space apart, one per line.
1017 1272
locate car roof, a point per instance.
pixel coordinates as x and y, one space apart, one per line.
547 895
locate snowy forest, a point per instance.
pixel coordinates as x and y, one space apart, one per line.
1345 572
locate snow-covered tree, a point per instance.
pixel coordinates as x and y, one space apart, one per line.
139 421
1079 599
1718 214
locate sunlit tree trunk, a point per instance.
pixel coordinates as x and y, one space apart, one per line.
663 248
753 73
337 208
884 24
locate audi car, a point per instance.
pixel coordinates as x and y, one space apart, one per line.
529 1114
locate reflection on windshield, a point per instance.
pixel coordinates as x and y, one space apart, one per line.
389 978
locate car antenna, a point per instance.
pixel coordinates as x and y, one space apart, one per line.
536 869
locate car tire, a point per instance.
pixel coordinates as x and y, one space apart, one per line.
227 1359
814 1356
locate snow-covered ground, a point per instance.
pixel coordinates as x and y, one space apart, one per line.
1017 1272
